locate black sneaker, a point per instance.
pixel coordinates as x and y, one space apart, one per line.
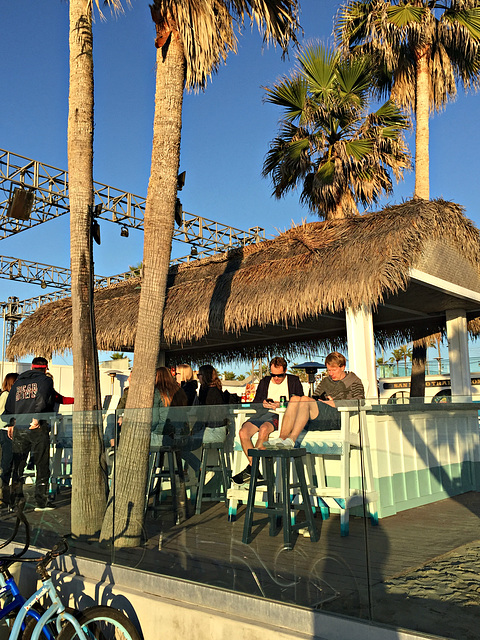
243 476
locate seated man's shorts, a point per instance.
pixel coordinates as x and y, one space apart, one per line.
266 416
328 419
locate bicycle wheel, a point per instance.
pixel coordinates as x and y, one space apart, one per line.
101 623
49 631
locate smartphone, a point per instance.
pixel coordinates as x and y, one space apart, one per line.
270 400
323 396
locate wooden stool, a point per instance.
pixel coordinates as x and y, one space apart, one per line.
283 507
219 466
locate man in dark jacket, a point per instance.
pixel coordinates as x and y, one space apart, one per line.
31 395
269 391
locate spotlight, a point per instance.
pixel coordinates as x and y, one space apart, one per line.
43 284
20 204
124 232
194 251
181 180
178 212
96 231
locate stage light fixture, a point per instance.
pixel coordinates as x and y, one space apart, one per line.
124 232
20 205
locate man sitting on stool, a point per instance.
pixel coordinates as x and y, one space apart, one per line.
270 389
319 413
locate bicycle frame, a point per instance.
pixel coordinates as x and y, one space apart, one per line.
8 587
55 612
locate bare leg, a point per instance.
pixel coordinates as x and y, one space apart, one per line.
245 434
298 413
265 430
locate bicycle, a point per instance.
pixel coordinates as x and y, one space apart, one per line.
9 590
56 622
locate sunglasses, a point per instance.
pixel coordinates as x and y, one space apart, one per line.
278 375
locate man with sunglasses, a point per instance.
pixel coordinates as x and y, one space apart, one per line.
269 391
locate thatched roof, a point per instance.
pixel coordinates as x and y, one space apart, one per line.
292 288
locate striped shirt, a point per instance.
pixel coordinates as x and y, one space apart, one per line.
350 388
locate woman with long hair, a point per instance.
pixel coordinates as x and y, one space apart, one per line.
184 376
168 393
6 442
210 394
210 386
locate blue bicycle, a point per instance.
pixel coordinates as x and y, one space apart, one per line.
29 622
10 595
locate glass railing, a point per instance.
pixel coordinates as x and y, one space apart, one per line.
389 532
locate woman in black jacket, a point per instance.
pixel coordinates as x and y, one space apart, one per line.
211 395
184 376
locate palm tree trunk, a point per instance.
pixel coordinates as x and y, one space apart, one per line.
422 112
88 476
124 517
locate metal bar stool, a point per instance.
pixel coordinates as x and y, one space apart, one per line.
158 472
283 506
218 466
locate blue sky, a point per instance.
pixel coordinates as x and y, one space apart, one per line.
225 136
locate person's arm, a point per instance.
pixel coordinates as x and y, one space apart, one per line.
322 387
59 399
357 391
261 392
45 399
9 411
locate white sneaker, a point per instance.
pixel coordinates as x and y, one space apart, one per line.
273 443
48 507
288 443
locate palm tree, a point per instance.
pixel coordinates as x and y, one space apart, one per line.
397 355
192 39
329 142
88 476
423 48
406 353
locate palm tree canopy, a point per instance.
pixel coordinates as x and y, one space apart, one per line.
328 139
398 33
206 29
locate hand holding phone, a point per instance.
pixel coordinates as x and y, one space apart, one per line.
323 396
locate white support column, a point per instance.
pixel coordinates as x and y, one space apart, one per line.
361 348
458 356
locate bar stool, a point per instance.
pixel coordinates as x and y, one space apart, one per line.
219 466
175 474
281 508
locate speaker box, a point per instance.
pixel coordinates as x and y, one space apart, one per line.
21 204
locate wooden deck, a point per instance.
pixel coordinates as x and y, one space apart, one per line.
422 546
